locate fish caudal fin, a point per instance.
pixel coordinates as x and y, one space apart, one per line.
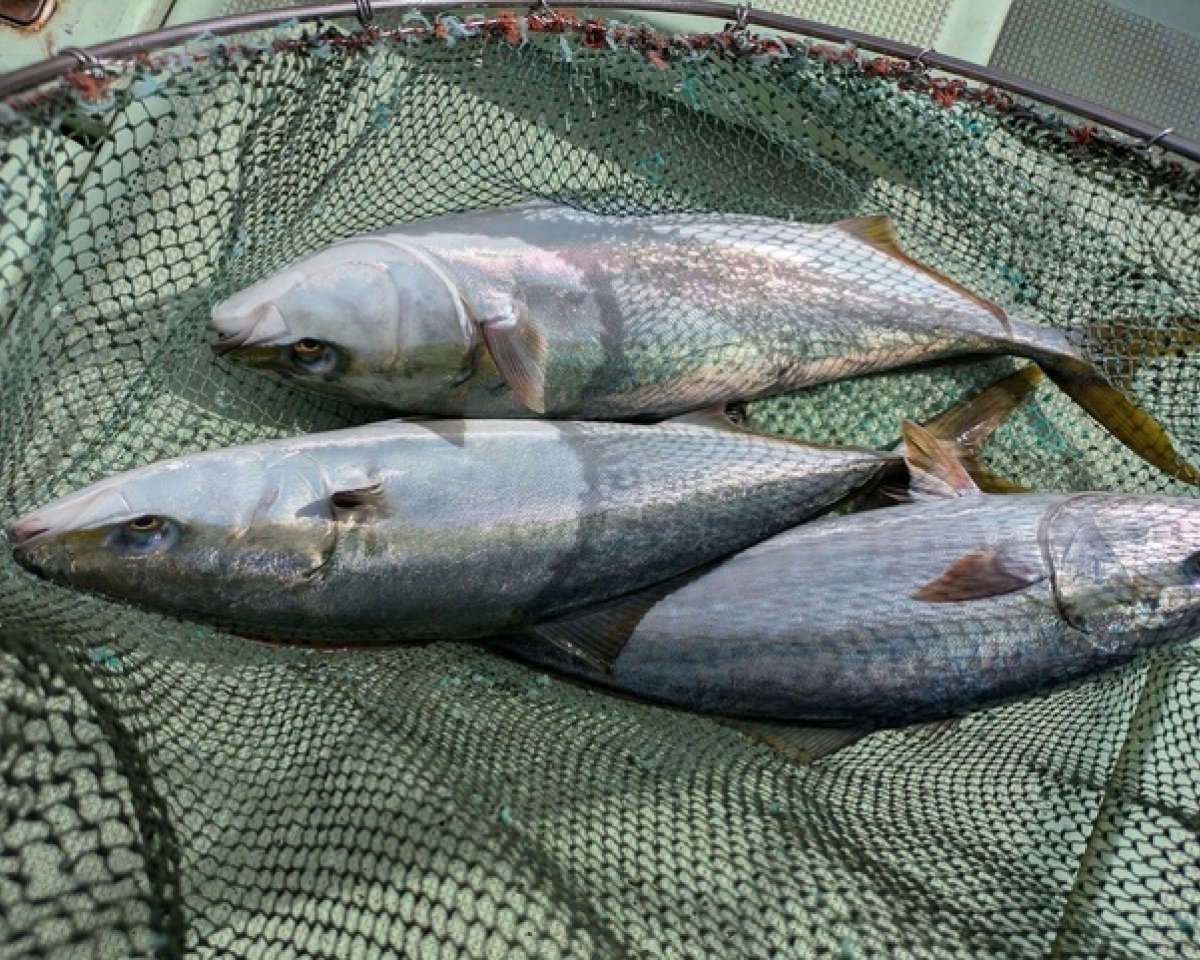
1113 409
957 435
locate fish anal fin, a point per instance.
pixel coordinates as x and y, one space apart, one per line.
987 480
932 731
519 349
715 417
979 574
804 744
880 232
359 503
934 471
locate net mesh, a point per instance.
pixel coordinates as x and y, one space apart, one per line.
170 790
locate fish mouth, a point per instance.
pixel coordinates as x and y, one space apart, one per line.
226 343
249 354
22 556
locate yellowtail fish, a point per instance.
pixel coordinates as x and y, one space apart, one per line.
544 309
444 529
953 602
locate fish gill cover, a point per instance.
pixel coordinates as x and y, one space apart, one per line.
170 790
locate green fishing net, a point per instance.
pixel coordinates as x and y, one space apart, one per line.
169 790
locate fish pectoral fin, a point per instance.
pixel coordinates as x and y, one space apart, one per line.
880 233
804 744
359 503
979 574
596 635
519 349
934 471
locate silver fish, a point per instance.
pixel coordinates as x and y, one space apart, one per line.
541 308
908 613
445 529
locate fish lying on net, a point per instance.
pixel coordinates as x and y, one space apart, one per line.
956 601
447 529
540 308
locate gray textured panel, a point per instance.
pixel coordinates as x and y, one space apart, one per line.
1095 50
913 21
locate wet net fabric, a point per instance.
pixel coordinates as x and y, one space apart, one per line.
170 790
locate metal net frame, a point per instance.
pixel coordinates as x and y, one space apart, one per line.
172 790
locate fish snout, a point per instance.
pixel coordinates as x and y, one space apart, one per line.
236 326
25 529
22 536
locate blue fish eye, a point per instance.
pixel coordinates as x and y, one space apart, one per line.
313 357
143 535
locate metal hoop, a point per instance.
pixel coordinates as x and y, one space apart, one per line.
87 61
364 12
1150 144
918 61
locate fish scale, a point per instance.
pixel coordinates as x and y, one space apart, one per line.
428 530
921 611
544 309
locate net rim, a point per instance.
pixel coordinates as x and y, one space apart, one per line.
1151 136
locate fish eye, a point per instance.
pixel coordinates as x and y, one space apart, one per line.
143 535
1191 567
313 356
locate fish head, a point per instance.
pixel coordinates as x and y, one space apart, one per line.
349 317
213 536
1127 567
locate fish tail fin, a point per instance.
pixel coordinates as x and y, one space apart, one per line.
965 427
1107 397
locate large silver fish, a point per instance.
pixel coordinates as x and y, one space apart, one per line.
443 529
542 308
906 613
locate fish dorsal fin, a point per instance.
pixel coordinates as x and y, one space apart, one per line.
714 417
519 349
359 503
597 635
880 232
934 471
800 743
980 574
